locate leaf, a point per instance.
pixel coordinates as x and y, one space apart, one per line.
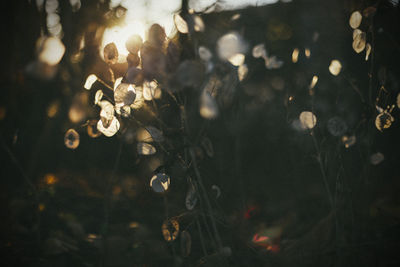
355 19
145 149
180 24
307 120
112 128
71 139
160 182
170 230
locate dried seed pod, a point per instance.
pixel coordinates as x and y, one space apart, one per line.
383 120
145 149
111 53
92 129
359 42
133 44
308 120
335 67
170 229
355 19
71 139
160 182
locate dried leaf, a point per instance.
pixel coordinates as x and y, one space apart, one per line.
71 139
145 149
160 182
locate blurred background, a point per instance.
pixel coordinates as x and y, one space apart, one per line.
260 133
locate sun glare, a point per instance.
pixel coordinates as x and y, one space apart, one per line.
119 35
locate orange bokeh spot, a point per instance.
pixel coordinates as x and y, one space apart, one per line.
50 179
